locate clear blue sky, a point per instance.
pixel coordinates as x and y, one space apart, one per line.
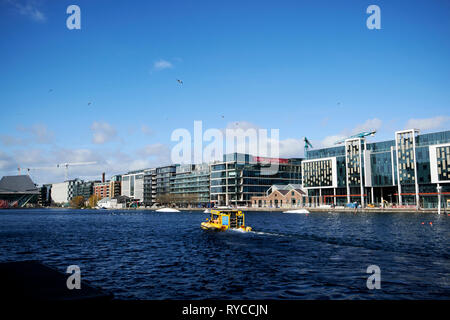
309 68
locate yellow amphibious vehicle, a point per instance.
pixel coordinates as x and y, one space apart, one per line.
226 219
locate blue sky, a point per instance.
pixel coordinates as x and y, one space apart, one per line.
308 68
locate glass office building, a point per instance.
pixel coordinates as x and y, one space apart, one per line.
190 185
241 176
404 171
84 189
163 179
149 187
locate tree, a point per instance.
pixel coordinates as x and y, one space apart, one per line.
178 199
77 202
93 201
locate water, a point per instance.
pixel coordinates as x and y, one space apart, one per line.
149 255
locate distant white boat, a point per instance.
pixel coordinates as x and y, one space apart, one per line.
167 210
207 211
297 211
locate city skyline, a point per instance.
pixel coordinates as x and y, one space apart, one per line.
109 92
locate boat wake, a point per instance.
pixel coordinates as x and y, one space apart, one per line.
268 233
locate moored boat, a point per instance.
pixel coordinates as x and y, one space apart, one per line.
167 210
296 211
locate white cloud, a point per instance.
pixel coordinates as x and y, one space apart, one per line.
156 153
329 141
8 140
244 125
36 134
41 133
44 170
368 125
291 148
28 8
7 163
427 123
146 130
287 148
103 132
162 64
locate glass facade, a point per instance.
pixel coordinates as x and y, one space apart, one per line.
149 187
404 159
190 186
84 189
163 179
353 160
241 176
318 173
443 163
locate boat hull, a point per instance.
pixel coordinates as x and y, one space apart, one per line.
218 227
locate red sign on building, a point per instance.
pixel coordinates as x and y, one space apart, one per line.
270 160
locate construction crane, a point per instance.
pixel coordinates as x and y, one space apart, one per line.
66 166
358 135
28 170
307 145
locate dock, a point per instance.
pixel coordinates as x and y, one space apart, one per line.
35 281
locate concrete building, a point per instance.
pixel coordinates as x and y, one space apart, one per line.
60 192
115 186
64 192
133 185
241 176
405 171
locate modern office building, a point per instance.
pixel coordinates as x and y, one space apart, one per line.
45 196
63 192
404 171
190 185
164 177
84 189
115 186
133 185
60 193
241 176
149 187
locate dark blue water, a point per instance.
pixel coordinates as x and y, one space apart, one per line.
148 255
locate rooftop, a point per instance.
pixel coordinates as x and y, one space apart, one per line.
18 184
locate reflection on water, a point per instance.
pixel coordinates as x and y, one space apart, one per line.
149 255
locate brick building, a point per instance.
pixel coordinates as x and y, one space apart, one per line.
282 196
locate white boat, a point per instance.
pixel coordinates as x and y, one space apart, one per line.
167 210
207 211
296 211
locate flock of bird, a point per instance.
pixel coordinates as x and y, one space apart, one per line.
89 103
179 82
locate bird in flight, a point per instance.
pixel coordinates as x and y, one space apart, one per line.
89 103
179 81
50 90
